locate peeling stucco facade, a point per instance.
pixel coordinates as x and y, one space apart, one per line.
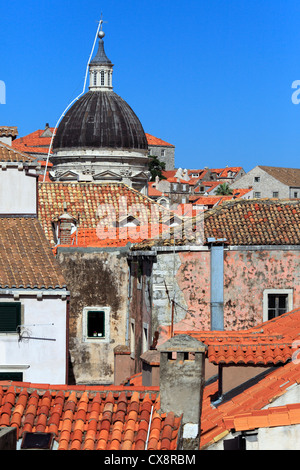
249 273
96 278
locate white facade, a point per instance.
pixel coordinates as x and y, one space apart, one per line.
39 349
18 189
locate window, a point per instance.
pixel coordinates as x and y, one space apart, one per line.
96 324
256 179
295 194
277 302
277 305
275 194
95 78
145 345
257 195
132 338
102 77
10 316
162 153
108 78
14 376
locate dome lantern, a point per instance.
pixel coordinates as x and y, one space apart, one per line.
100 68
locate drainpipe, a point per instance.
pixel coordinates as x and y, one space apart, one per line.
217 283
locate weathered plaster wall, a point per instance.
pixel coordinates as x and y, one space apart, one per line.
95 279
246 275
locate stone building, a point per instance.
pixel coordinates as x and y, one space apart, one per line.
271 182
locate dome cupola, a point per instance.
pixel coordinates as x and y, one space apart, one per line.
100 137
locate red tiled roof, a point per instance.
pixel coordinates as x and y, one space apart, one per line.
35 143
116 237
26 259
152 191
10 154
269 343
6 131
287 415
218 420
244 222
156 141
83 201
90 418
223 172
255 222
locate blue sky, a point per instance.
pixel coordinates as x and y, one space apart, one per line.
212 77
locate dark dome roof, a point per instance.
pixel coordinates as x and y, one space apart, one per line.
100 119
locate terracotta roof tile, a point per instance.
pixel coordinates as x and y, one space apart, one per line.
82 417
156 141
287 176
26 259
10 154
99 206
243 222
268 343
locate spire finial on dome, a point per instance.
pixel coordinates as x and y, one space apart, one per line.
101 33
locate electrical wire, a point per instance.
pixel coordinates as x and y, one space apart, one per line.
73 101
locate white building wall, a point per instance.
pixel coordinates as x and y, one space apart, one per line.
40 360
18 192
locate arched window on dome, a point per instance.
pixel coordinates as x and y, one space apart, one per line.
102 77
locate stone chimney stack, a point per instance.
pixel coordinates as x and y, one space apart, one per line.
66 225
182 373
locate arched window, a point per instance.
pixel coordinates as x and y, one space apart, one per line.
108 78
95 78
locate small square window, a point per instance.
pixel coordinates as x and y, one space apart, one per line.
256 179
257 195
96 324
277 305
275 194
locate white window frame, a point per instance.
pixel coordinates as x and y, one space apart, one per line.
267 292
145 338
96 339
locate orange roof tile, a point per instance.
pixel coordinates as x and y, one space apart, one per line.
10 154
218 420
156 141
90 417
97 206
26 259
268 343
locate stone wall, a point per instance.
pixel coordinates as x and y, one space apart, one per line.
95 279
266 186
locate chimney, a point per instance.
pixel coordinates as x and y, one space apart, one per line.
66 224
182 372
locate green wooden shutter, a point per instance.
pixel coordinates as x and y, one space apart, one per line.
10 316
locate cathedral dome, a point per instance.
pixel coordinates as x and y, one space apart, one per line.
100 138
100 119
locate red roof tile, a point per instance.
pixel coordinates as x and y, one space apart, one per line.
99 417
268 343
156 141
